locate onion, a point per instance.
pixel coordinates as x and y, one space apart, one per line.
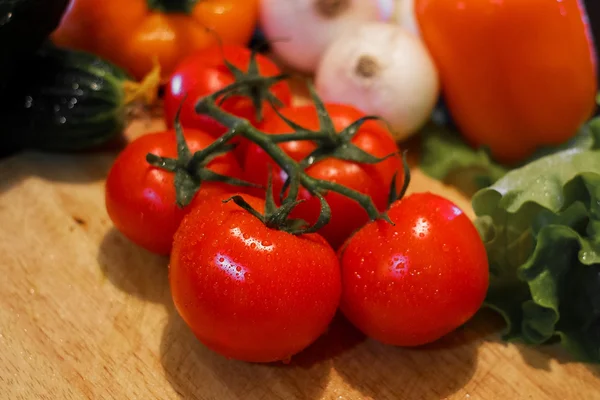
382 70
404 15
300 30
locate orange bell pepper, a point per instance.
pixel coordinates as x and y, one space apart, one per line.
516 74
131 33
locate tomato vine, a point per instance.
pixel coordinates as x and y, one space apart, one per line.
190 171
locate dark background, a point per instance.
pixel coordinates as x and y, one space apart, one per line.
593 9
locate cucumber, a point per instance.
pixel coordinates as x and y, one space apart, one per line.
64 100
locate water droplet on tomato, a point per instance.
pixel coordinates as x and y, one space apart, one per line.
221 259
445 247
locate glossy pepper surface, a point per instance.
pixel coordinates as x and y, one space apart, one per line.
130 33
516 74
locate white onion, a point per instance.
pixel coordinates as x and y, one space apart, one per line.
404 15
300 30
382 70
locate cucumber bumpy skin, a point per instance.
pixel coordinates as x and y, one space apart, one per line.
65 100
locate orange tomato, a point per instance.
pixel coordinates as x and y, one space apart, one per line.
131 33
515 74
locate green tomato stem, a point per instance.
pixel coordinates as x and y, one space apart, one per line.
293 169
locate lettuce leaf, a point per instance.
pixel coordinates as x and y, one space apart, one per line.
444 155
541 227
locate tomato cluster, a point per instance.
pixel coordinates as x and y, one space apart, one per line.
259 274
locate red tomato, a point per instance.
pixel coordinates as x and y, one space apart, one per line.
204 73
250 292
373 180
140 198
414 282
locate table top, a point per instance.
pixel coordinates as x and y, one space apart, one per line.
87 315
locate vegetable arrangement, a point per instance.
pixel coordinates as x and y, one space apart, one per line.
253 265
275 215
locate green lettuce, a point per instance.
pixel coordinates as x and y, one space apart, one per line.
541 227
445 156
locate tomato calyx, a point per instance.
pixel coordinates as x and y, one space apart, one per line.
330 142
192 169
172 6
279 217
251 84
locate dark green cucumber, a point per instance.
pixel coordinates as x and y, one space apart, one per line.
63 100
24 26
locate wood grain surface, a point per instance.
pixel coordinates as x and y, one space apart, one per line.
84 314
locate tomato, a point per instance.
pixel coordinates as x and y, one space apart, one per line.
373 180
204 73
414 282
516 75
140 198
250 292
132 33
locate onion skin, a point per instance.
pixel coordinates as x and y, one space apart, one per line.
404 15
299 31
383 70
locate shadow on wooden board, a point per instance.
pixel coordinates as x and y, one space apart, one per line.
195 372
365 366
134 270
540 357
72 168
434 371
375 370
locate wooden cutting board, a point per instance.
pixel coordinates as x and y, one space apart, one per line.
84 314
